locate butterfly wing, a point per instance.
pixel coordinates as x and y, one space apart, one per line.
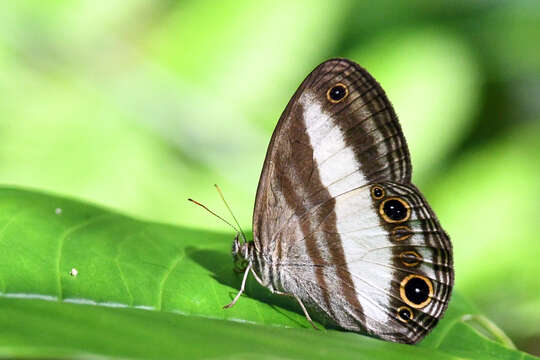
351 143
335 181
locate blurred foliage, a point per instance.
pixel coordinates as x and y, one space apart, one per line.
137 105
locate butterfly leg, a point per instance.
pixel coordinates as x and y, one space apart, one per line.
289 295
231 304
301 305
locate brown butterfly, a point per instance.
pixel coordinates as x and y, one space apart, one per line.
337 224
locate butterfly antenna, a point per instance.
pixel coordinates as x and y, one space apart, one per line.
213 213
230 212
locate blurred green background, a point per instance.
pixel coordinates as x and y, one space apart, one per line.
138 104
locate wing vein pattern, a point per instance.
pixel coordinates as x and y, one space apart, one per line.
337 220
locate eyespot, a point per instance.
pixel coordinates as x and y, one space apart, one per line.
337 93
410 258
377 192
404 314
401 233
395 210
416 291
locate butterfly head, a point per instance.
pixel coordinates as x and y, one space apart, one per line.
241 253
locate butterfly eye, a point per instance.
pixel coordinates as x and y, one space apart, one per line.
337 93
416 291
410 258
401 233
395 210
377 192
405 314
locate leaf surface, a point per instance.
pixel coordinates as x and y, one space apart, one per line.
161 289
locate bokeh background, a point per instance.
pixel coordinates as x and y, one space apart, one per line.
138 104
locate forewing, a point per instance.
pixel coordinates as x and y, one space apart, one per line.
357 140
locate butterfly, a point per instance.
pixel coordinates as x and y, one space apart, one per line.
337 223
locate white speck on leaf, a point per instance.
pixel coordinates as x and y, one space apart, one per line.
58 211
73 272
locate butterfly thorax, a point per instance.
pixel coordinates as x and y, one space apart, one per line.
241 254
244 253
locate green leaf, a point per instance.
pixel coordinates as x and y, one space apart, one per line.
50 329
162 289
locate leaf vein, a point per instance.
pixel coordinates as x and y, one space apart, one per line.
171 268
61 240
